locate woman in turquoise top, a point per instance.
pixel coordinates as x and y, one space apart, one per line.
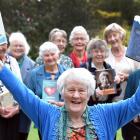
60 123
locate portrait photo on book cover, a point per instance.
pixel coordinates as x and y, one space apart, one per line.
105 81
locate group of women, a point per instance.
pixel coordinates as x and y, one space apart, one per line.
91 54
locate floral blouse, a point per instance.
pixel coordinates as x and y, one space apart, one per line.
80 133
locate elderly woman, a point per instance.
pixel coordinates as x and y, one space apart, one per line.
19 49
59 37
43 78
9 113
78 40
114 34
97 52
75 120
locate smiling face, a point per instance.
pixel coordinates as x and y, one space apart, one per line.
79 41
75 97
17 49
50 58
60 41
114 39
99 56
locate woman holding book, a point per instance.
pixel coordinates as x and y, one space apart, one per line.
9 111
19 49
114 34
97 52
43 78
75 120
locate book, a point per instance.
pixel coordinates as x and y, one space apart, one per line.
3 38
105 81
2 30
133 49
50 91
6 98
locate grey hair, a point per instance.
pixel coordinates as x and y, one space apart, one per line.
54 32
114 27
48 46
18 36
78 29
81 75
97 44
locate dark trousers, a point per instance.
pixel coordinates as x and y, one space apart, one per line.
39 134
9 128
22 136
131 131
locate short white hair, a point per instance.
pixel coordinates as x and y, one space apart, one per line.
18 36
81 75
48 46
78 29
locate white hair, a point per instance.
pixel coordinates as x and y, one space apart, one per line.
78 29
48 46
81 75
18 36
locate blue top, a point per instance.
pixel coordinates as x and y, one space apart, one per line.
39 74
26 66
132 83
106 118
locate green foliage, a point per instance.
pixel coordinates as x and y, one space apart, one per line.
35 18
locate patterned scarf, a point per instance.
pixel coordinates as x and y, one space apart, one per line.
63 123
76 61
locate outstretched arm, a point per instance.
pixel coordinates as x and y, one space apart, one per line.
31 104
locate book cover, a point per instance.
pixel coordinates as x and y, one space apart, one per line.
133 49
105 81
50 91
3 38
6 98
2 30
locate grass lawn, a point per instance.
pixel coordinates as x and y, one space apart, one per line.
33 135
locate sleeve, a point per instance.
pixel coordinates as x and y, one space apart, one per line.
36 109
116 115
30 83
132 84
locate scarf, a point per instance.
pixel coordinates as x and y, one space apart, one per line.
76 61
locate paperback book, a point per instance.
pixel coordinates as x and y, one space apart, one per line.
6 98
50 91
